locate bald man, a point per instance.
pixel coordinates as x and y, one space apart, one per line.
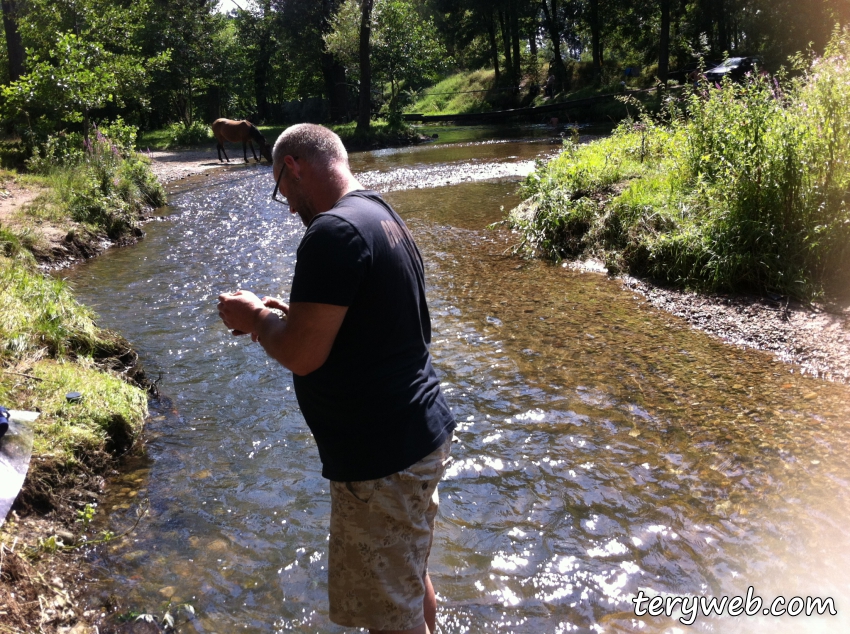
356 336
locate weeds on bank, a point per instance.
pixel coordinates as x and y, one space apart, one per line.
100 182
49 346
736 188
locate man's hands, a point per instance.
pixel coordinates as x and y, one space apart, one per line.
301 342
243 312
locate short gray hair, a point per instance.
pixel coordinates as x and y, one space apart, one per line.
315 144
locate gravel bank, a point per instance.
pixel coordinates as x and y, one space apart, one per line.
816 338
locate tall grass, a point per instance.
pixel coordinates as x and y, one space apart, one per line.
50 345
100 182
741 187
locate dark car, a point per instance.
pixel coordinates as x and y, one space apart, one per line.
735 68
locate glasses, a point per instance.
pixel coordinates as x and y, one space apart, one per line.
276 189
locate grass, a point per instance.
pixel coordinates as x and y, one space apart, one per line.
101 192
459 93
475 91
49 343
737 188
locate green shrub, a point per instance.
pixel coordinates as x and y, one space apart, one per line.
181 134
121 134
64 149
105 185
742 187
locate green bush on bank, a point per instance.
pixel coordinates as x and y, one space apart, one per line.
741 188
100 182
182 135
50 344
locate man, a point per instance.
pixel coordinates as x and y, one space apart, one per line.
356 335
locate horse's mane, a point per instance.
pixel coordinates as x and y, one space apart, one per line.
255 134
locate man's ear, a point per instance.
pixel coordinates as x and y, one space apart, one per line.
293 166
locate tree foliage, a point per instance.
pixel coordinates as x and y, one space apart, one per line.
406 50
158 62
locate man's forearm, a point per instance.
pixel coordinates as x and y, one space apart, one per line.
271 335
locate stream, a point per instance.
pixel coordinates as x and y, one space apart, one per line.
603 447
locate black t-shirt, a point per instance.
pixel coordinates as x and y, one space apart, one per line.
375 405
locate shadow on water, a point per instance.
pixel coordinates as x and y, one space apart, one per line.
603 447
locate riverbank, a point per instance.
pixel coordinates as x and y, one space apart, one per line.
815 338
52 346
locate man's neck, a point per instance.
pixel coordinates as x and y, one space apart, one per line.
342 183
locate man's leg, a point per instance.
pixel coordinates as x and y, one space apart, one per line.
430 605
382 530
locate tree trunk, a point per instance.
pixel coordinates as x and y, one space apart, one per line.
332 71
664 43
334 75
722 27
506 42
517 58
494 47
561 82
595 38
364 113
261 70
14 44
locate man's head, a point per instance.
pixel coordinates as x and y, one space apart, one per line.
313 143
315 169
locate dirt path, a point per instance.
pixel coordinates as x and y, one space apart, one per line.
13 196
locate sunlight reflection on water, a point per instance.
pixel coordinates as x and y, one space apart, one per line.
602 446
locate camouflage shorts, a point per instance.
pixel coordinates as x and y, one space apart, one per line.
381 534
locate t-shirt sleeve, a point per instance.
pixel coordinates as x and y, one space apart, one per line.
332 262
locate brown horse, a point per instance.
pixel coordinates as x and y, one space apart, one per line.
240 131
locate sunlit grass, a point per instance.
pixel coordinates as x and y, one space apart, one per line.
460 93
50 345
743 188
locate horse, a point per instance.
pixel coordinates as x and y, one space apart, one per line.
240 131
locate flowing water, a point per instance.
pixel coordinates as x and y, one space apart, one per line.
603 447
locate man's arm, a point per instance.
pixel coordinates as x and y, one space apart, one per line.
300 343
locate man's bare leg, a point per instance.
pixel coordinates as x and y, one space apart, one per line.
429 605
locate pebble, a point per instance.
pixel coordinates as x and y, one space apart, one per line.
217 545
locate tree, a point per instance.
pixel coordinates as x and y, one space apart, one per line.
14 45
364 113
79 60
553 27
403 49
187 30
406 51
664 43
